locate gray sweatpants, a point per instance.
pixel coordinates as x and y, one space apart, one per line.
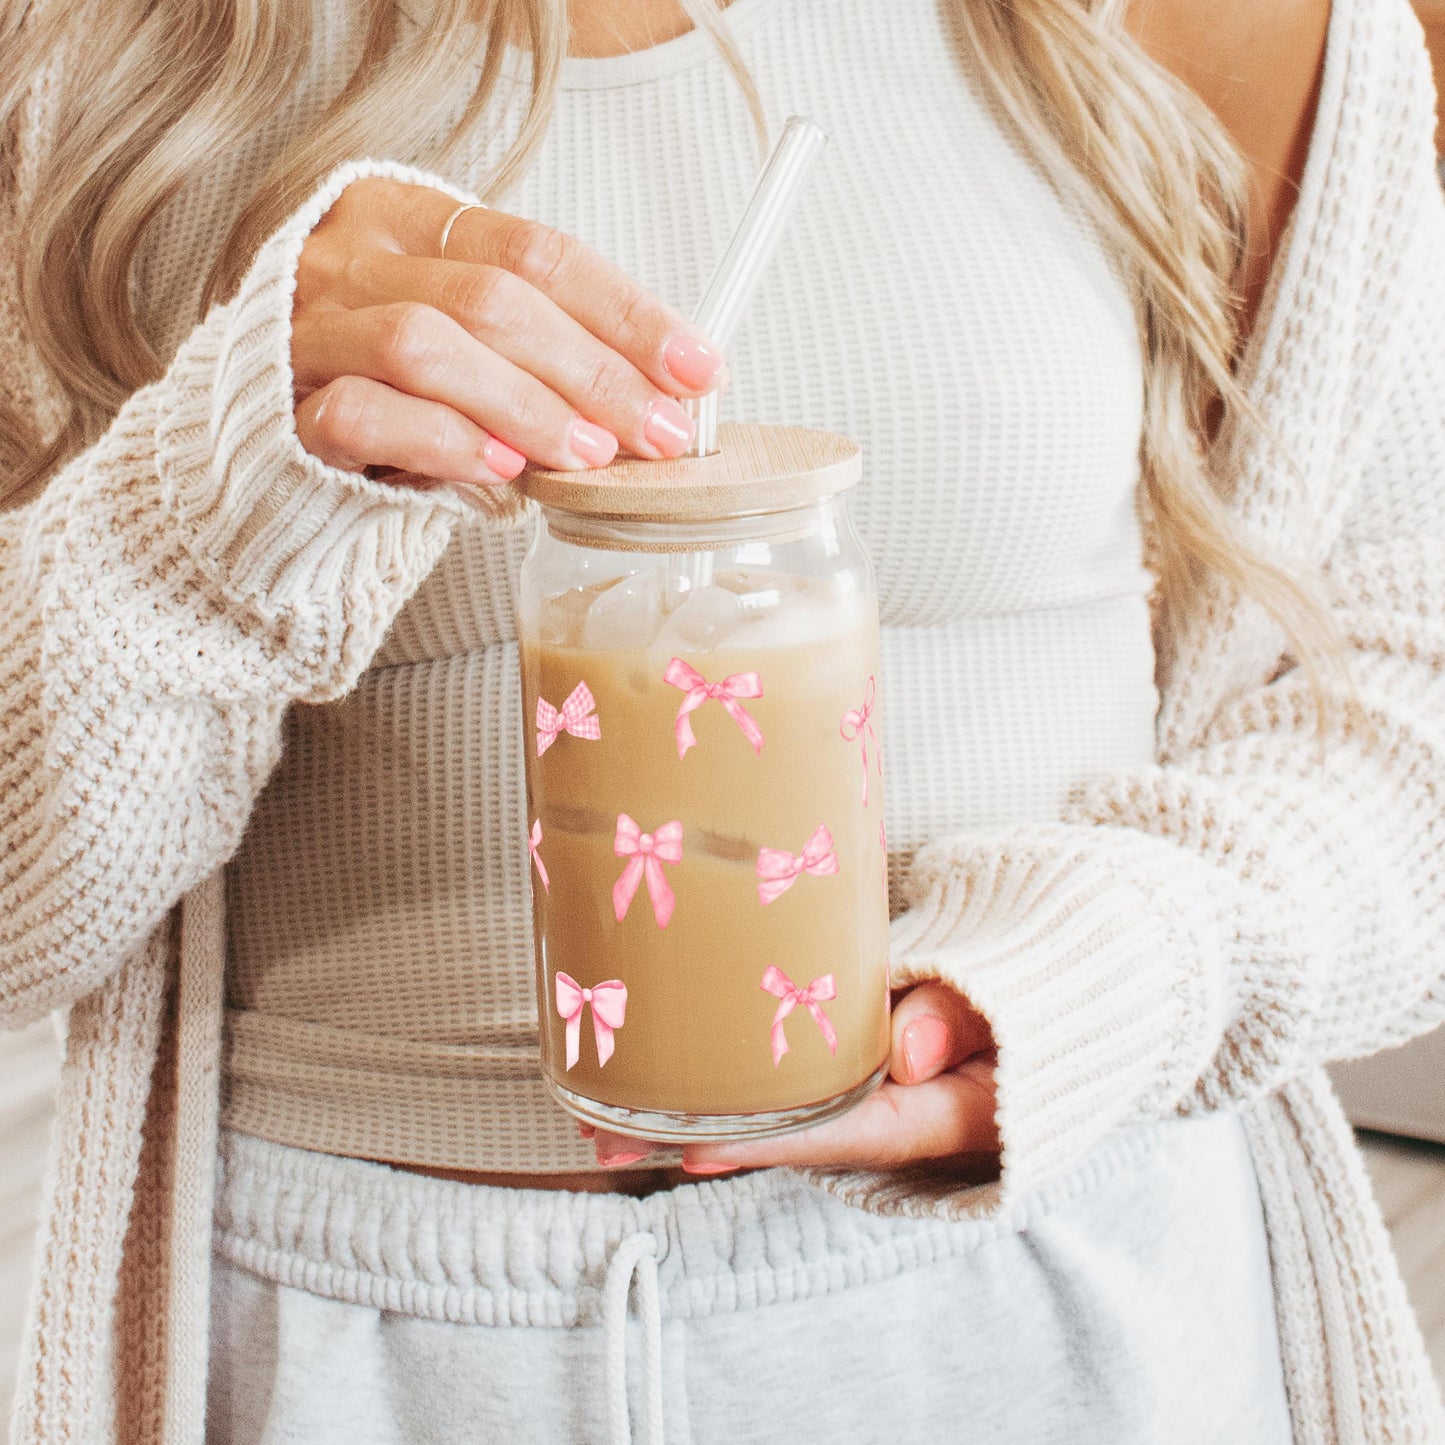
1128 1303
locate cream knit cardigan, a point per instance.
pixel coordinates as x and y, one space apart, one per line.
1203 934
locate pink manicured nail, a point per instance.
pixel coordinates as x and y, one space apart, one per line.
692 361
704 1168
616 1161
668 427
594 445
925 1041
502 459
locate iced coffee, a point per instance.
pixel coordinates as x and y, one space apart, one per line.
705 814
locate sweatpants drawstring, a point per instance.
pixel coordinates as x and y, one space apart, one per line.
637 1254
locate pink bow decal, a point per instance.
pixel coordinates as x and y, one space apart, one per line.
572 719
778 871
532 844
857 723
777 983
609 1008
699 690
645 853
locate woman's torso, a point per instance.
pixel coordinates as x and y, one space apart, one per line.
936 301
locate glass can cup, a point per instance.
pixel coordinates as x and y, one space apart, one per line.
699 657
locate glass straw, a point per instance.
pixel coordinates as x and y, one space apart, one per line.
736 276
726 297
729 291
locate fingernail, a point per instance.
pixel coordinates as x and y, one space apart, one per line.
502 459
668 427
594 445
616 1161
692 361
925 1041
702 1168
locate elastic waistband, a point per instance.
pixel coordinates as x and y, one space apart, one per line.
471 1254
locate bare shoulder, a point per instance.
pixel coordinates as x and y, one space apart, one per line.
1257 65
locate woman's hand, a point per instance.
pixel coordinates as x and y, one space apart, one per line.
938 1102
522 344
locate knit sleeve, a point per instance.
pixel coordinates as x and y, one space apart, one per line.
1271 894
162 602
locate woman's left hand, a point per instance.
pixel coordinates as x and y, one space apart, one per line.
938 1102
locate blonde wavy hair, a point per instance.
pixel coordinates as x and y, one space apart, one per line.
160 88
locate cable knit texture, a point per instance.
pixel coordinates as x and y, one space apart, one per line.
1201 933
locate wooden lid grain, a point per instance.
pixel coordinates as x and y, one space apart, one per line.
757 470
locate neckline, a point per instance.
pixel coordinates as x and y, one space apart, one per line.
683 52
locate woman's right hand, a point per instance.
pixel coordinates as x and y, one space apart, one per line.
522 344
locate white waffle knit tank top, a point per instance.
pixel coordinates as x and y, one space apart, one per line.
936 301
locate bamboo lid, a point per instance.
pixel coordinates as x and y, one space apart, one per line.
756 470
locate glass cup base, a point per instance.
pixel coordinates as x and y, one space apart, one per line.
665 1128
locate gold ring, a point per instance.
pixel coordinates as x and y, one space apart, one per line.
455 216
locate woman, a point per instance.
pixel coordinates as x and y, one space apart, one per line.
247 395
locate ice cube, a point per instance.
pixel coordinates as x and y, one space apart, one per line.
807 615
627 615
702 621
761 592
563 615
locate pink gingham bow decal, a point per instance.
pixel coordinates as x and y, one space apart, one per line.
699 690
778 871
609 1009
817 993
577 717
645 854
857 725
